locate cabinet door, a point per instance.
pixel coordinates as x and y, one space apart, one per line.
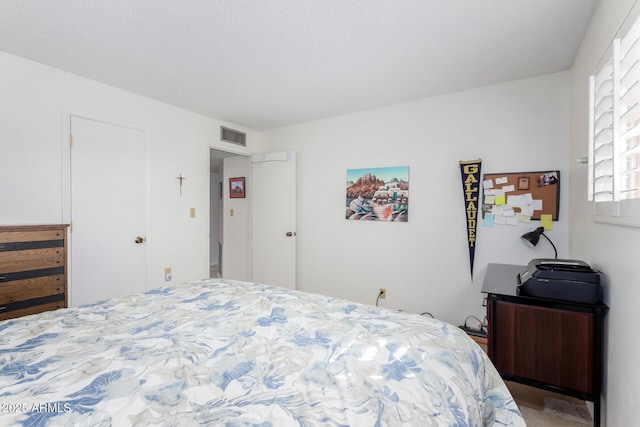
546 345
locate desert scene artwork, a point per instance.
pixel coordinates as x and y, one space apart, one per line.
378 194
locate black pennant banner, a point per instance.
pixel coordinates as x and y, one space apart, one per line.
470 171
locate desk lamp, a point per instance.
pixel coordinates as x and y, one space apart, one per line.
531 239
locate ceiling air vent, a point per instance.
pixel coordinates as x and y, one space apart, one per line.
233 136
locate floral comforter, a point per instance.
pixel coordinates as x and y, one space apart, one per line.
220 352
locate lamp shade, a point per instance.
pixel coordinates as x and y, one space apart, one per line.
533 237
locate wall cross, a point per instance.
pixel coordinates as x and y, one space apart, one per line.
180 178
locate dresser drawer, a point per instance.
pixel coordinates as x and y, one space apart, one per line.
34 259
7 237
19 290
33 309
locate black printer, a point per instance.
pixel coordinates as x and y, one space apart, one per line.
560 279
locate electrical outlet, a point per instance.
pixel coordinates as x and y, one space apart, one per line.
383 293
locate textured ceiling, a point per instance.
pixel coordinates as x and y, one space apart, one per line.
265 64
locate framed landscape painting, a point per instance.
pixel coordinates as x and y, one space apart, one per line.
378 194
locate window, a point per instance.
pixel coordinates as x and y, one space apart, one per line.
614 146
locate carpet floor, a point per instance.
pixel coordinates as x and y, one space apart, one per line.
541 408
214 271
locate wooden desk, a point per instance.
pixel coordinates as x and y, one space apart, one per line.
549 344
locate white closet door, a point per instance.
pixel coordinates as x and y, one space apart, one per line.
108 211
273 197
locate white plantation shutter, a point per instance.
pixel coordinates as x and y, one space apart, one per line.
602 151
629 149
614 135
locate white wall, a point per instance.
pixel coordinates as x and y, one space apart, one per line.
611 248
32 100
423 264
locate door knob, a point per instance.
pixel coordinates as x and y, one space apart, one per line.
140 239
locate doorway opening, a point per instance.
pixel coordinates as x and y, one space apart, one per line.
252 238
216 209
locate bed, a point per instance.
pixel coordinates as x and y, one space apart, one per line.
221 352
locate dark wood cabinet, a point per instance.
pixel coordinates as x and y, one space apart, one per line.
554 345
33 269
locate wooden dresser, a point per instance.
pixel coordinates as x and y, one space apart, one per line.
33 269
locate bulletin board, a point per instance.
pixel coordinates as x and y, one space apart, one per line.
529 194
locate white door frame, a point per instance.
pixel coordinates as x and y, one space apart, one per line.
67 113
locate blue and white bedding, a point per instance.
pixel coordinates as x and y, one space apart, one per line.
227 353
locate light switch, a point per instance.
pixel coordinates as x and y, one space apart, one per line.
192 212
231 212
167 274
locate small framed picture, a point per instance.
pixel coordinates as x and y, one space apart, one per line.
236 188
523 183
548 178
